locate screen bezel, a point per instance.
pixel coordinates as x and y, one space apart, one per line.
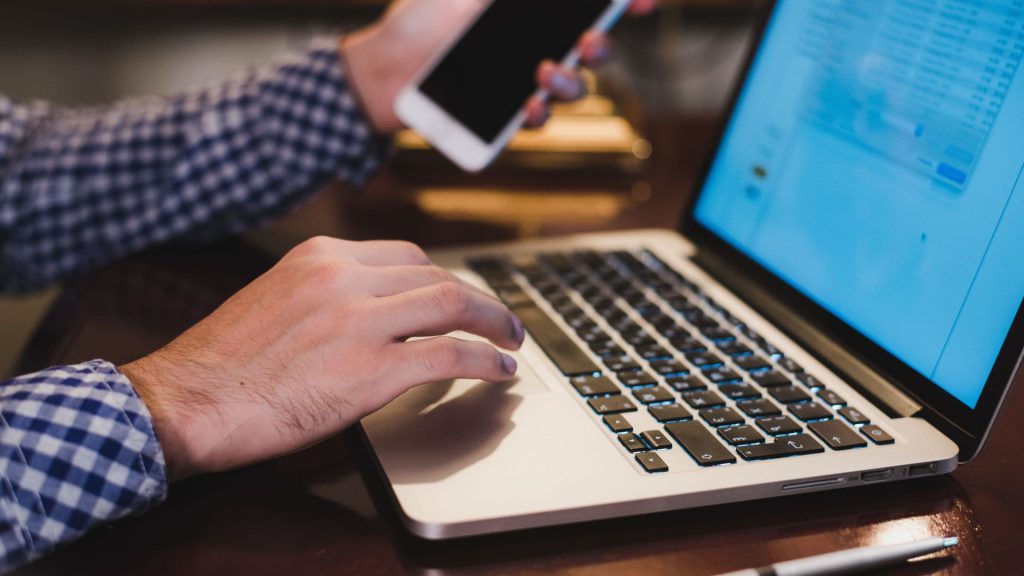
967 427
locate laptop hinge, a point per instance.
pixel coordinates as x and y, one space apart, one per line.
832 354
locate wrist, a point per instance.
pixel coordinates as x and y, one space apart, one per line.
170 423
373 74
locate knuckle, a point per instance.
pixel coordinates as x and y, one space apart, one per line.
445 357
313 246
413 252
440 275
452 298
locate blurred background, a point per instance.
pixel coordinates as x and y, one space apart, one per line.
596 166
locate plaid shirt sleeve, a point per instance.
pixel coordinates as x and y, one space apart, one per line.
77 449
82 187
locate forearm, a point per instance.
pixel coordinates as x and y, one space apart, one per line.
78 188
77 449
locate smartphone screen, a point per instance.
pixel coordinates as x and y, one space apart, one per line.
489 74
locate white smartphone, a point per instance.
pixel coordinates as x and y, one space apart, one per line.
470 99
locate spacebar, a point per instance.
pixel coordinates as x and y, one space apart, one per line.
562 351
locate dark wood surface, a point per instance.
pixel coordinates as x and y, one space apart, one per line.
320 512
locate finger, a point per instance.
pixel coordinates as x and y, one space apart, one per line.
537 113
447 358
562 83
390 280
641 7
444 308
595 48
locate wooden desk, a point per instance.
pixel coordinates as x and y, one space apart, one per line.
312 513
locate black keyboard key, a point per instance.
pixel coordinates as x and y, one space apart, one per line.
758 408
703 399
668 367
611 405
635 379
651 462
739 391
809 381
700 444
606 348
555 343
681 304
739 435
686 383
704 359
854 416
617 423
781 447
515 298
769 379
653 395
640 340
788 394
620 363
568 308
733 348
647 310
582 324
876 434
669 413
653 352
790 365
487 264
699 319
686 344
831 398
778 425
716 333
837 435
810 411
752 362
722 375
594 385
718 417
632 442
656 439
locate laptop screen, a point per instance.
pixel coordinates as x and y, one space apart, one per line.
874 162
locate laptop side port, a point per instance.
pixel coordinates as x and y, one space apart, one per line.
922 469
877 475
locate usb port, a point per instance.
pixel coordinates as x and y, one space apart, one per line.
922 469
877 475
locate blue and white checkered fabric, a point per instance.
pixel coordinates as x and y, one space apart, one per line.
77 448
79 188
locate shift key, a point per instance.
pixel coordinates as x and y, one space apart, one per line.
569 358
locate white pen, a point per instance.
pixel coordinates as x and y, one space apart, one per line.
856 559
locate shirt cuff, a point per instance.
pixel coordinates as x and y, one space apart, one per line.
77 449
349 127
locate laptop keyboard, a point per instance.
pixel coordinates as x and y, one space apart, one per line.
657 343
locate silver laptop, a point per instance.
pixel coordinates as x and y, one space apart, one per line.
841 305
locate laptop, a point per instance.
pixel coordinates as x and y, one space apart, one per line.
840 306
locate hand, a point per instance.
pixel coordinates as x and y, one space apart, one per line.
385 57
313 345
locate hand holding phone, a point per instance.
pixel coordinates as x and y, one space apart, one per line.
469 101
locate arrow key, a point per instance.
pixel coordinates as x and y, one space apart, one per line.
837 435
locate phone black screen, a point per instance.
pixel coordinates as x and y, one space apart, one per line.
490 73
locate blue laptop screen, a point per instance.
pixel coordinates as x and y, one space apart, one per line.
874 162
